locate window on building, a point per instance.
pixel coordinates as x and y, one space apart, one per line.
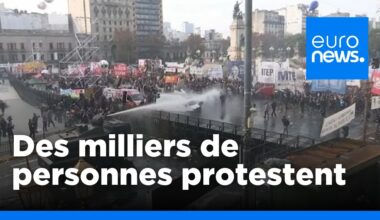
22 46
70 46
23 57
1 46
51 46
11 46
13 58
105 37
52 56
60 56
2 60
110 30
60 45
40 45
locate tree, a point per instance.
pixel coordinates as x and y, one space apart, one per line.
150 47
374 44
263 43
125 46
194 43
299 40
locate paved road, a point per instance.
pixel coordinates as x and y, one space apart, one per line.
306 125
21 112
309 124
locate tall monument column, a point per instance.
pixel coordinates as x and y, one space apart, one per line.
236 52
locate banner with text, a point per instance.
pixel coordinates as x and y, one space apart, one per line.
290 79
338 120
376 82
267 72
375 103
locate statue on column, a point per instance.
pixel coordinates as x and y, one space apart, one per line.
237 13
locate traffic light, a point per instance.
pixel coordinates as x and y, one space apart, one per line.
375 63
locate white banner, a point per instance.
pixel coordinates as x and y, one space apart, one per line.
375 102
291 79
196 70
338 120
267 72
215 72
353 83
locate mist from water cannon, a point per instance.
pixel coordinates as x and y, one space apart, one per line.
178 102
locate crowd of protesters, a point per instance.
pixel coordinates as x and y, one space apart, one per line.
6 124
69 111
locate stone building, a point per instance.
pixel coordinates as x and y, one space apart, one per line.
101 19
32 36
268 22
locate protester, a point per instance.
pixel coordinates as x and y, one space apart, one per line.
32 130
10 128
286 123
3 126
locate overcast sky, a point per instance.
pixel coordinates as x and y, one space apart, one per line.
215 14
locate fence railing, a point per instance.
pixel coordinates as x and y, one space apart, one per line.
259 134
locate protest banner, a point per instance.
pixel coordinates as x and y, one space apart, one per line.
290 79
120 69
338 120
267 72
375 103
376 82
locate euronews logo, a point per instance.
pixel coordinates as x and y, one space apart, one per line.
337 48
336 52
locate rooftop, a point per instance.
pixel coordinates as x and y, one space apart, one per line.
353 155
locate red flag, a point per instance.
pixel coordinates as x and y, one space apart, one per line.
376 82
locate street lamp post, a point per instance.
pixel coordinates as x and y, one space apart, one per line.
288 49
367 100
271 49
280 53
247 90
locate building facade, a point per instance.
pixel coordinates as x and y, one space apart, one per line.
187 27
295 18
25 46
28 37
148 18
149 28
339 14
268 22
102 19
